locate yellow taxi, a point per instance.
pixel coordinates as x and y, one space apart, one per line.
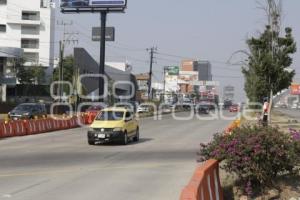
114 125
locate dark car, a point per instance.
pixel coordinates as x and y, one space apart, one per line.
202 108
28 111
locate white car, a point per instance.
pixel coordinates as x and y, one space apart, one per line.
143 109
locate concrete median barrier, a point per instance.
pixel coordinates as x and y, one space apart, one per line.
205 183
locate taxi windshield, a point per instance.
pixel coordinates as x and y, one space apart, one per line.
110 116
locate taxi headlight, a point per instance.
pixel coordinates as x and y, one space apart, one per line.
117 129
91 129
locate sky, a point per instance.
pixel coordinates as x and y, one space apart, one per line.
199 29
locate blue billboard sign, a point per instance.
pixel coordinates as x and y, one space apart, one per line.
93 4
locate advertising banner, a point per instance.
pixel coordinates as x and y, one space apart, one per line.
93 3
295 89
172 70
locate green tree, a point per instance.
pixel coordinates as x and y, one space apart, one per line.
68 72
269 58
29 75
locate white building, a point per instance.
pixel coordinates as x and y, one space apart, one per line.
26 31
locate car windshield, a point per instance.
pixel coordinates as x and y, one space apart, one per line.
24 108
110 116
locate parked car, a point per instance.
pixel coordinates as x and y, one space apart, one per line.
28 111
114 124
143 109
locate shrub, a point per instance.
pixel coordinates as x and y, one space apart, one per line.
257 155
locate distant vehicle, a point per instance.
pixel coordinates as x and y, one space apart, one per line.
143 109
167 108
234 108
202 108
128 106
114 124
227 103
74 3
283 106
295 106
28 111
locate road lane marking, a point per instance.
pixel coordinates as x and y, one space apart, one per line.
68 171
28 187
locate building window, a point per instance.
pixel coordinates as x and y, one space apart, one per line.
27 15
30 30
2 28
3 2
31 57
30 43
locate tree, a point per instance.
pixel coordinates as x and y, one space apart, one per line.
68 72
29 75
269 59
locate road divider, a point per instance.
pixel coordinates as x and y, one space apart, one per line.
205 183
7 129
38 126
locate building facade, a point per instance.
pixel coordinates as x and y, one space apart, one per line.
142 82
204 70
27 32
228 93
115 72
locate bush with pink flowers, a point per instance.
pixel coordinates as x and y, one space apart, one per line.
257 155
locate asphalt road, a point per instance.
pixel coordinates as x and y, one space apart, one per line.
290 112
62 166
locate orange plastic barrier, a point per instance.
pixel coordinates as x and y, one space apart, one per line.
7 129
64 124
73 122
19 128
41 124
205 183
81 120
49 125
31 127
1 130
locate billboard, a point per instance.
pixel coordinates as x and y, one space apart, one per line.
93 4
109 34
295 89
172 70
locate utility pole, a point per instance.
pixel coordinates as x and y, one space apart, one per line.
67 39
102 54
152 51
164 93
